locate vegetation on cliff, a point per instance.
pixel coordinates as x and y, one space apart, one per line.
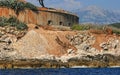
17 6
80 27
12 21
114 27
117 25
87 27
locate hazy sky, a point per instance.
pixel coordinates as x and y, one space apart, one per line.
75 4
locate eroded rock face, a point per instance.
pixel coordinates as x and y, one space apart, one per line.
38 43
111 44
56 45
86 41
32 45
8 36
82 41
6 48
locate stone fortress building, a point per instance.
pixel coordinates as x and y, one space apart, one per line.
45 16
49 16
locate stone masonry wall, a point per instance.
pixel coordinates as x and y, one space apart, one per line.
43 17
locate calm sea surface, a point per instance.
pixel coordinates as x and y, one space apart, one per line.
66 71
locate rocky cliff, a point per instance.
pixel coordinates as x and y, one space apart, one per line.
42 43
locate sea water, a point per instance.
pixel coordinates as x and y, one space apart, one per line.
62 71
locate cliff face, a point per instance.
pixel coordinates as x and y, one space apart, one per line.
39 43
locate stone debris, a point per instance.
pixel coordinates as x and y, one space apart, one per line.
7 38
82 41
111 44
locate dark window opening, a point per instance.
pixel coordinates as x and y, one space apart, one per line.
61 23
69 24
50 22
36 27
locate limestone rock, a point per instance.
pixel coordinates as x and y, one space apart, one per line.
32 45
82 41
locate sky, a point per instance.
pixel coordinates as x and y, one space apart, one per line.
76 4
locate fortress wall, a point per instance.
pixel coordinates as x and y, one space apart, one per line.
43 17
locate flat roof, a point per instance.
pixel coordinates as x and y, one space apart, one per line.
56 10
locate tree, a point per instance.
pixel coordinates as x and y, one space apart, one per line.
41 3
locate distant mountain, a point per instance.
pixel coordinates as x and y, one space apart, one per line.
93 14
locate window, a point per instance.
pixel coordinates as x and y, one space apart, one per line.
69 24
49 22
60 23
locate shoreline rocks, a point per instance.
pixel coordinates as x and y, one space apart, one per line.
105 60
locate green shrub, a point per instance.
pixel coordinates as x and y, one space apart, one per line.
76 27
117 25
13 24
31 6
87 27
21 26
2 24
17 6
80 27
3 21
12 21
115 30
